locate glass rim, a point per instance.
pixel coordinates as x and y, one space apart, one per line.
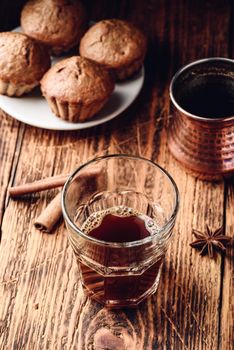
178 74
119 244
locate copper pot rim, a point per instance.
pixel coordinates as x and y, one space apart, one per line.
182 110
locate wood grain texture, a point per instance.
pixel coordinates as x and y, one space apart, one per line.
226 292
43 304
226 338
11 134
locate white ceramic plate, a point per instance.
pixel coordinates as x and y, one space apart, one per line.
33 109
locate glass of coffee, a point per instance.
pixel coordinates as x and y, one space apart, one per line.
120 211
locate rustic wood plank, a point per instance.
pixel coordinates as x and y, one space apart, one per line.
11 135
38 257
227 311
44 306
226 332
195 290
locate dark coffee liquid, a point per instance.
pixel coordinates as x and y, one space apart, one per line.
120 229
209 97
119 225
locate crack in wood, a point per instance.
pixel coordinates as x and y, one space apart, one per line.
174 328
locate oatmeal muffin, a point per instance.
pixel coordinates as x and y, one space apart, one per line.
57 23
116 44
76 88
23 62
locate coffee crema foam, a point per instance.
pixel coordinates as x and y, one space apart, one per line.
95 219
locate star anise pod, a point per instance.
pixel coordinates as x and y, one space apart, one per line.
210 240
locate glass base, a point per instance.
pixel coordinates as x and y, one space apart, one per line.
123 303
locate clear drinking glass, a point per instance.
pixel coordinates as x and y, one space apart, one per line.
120 211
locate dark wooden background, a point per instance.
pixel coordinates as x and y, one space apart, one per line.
42 305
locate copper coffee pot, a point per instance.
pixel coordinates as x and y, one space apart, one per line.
203 145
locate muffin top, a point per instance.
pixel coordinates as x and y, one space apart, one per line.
114 43
22 59
54 22
77 79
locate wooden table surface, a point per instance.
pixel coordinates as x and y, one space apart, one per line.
42 305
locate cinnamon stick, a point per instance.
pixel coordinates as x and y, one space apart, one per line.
48 218
37 186
47 183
